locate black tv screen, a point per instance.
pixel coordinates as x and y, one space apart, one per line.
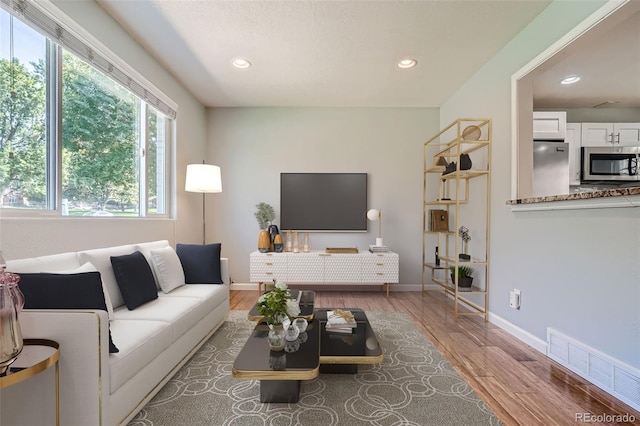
323 201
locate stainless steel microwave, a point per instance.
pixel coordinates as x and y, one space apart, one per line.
608 163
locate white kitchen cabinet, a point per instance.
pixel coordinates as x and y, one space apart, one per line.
573 138
610 134
549 125
627 134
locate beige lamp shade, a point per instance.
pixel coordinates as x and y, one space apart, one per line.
203 178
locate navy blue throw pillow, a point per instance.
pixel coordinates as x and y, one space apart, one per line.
201 263
135 279
64 291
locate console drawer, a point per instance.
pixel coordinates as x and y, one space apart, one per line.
380 268
266 267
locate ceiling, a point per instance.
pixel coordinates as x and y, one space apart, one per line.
323 53
607 59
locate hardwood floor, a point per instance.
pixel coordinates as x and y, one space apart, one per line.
520 385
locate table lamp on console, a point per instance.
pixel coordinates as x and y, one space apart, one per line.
376 215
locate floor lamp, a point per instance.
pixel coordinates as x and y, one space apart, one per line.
203 178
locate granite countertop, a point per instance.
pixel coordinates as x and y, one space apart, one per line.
618 192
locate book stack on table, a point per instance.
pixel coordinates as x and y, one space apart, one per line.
340 321
378 249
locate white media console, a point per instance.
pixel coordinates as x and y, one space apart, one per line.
318 267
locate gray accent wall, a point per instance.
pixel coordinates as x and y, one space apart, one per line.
254 145
578 270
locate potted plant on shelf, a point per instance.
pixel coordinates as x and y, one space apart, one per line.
265 215
464 275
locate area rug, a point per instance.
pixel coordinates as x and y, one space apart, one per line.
413 386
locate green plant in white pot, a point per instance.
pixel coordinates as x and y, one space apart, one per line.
464 275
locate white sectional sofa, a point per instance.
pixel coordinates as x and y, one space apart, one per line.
154 341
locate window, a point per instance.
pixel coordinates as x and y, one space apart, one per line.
77 134
23 128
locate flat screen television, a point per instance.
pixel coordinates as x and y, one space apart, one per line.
323 201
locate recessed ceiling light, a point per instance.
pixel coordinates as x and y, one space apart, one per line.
407 63
241 63
570 79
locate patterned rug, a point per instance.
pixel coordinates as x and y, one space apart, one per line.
413 386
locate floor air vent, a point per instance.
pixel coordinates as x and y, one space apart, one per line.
615 377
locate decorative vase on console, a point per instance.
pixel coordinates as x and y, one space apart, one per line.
306 245
296 243
288 246
265 214
264 241
278 245
273 231
11 303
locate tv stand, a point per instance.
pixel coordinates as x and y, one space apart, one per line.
318 267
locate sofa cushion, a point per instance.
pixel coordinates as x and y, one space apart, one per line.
64 291
168 269
134 278
212 295
53 263
89 267
181 312
145 248
140 342
101 258
201 263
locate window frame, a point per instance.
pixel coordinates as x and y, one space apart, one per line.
95 50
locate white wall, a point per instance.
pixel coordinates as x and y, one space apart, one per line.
254 145
38 236
579 271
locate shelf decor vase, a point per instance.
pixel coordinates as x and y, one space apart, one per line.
465 162
11 303
277 337
264 241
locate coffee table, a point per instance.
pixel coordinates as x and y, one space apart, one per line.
323 351
342 353
279 372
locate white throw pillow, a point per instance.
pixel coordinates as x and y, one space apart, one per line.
89 267
168 269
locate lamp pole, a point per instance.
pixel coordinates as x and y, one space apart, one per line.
203 178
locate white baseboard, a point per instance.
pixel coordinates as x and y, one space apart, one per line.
337 287
535 342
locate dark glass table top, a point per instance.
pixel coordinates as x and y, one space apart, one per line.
257 361
358 347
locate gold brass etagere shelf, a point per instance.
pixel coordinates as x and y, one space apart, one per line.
462 136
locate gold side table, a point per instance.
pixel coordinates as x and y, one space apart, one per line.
37 355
